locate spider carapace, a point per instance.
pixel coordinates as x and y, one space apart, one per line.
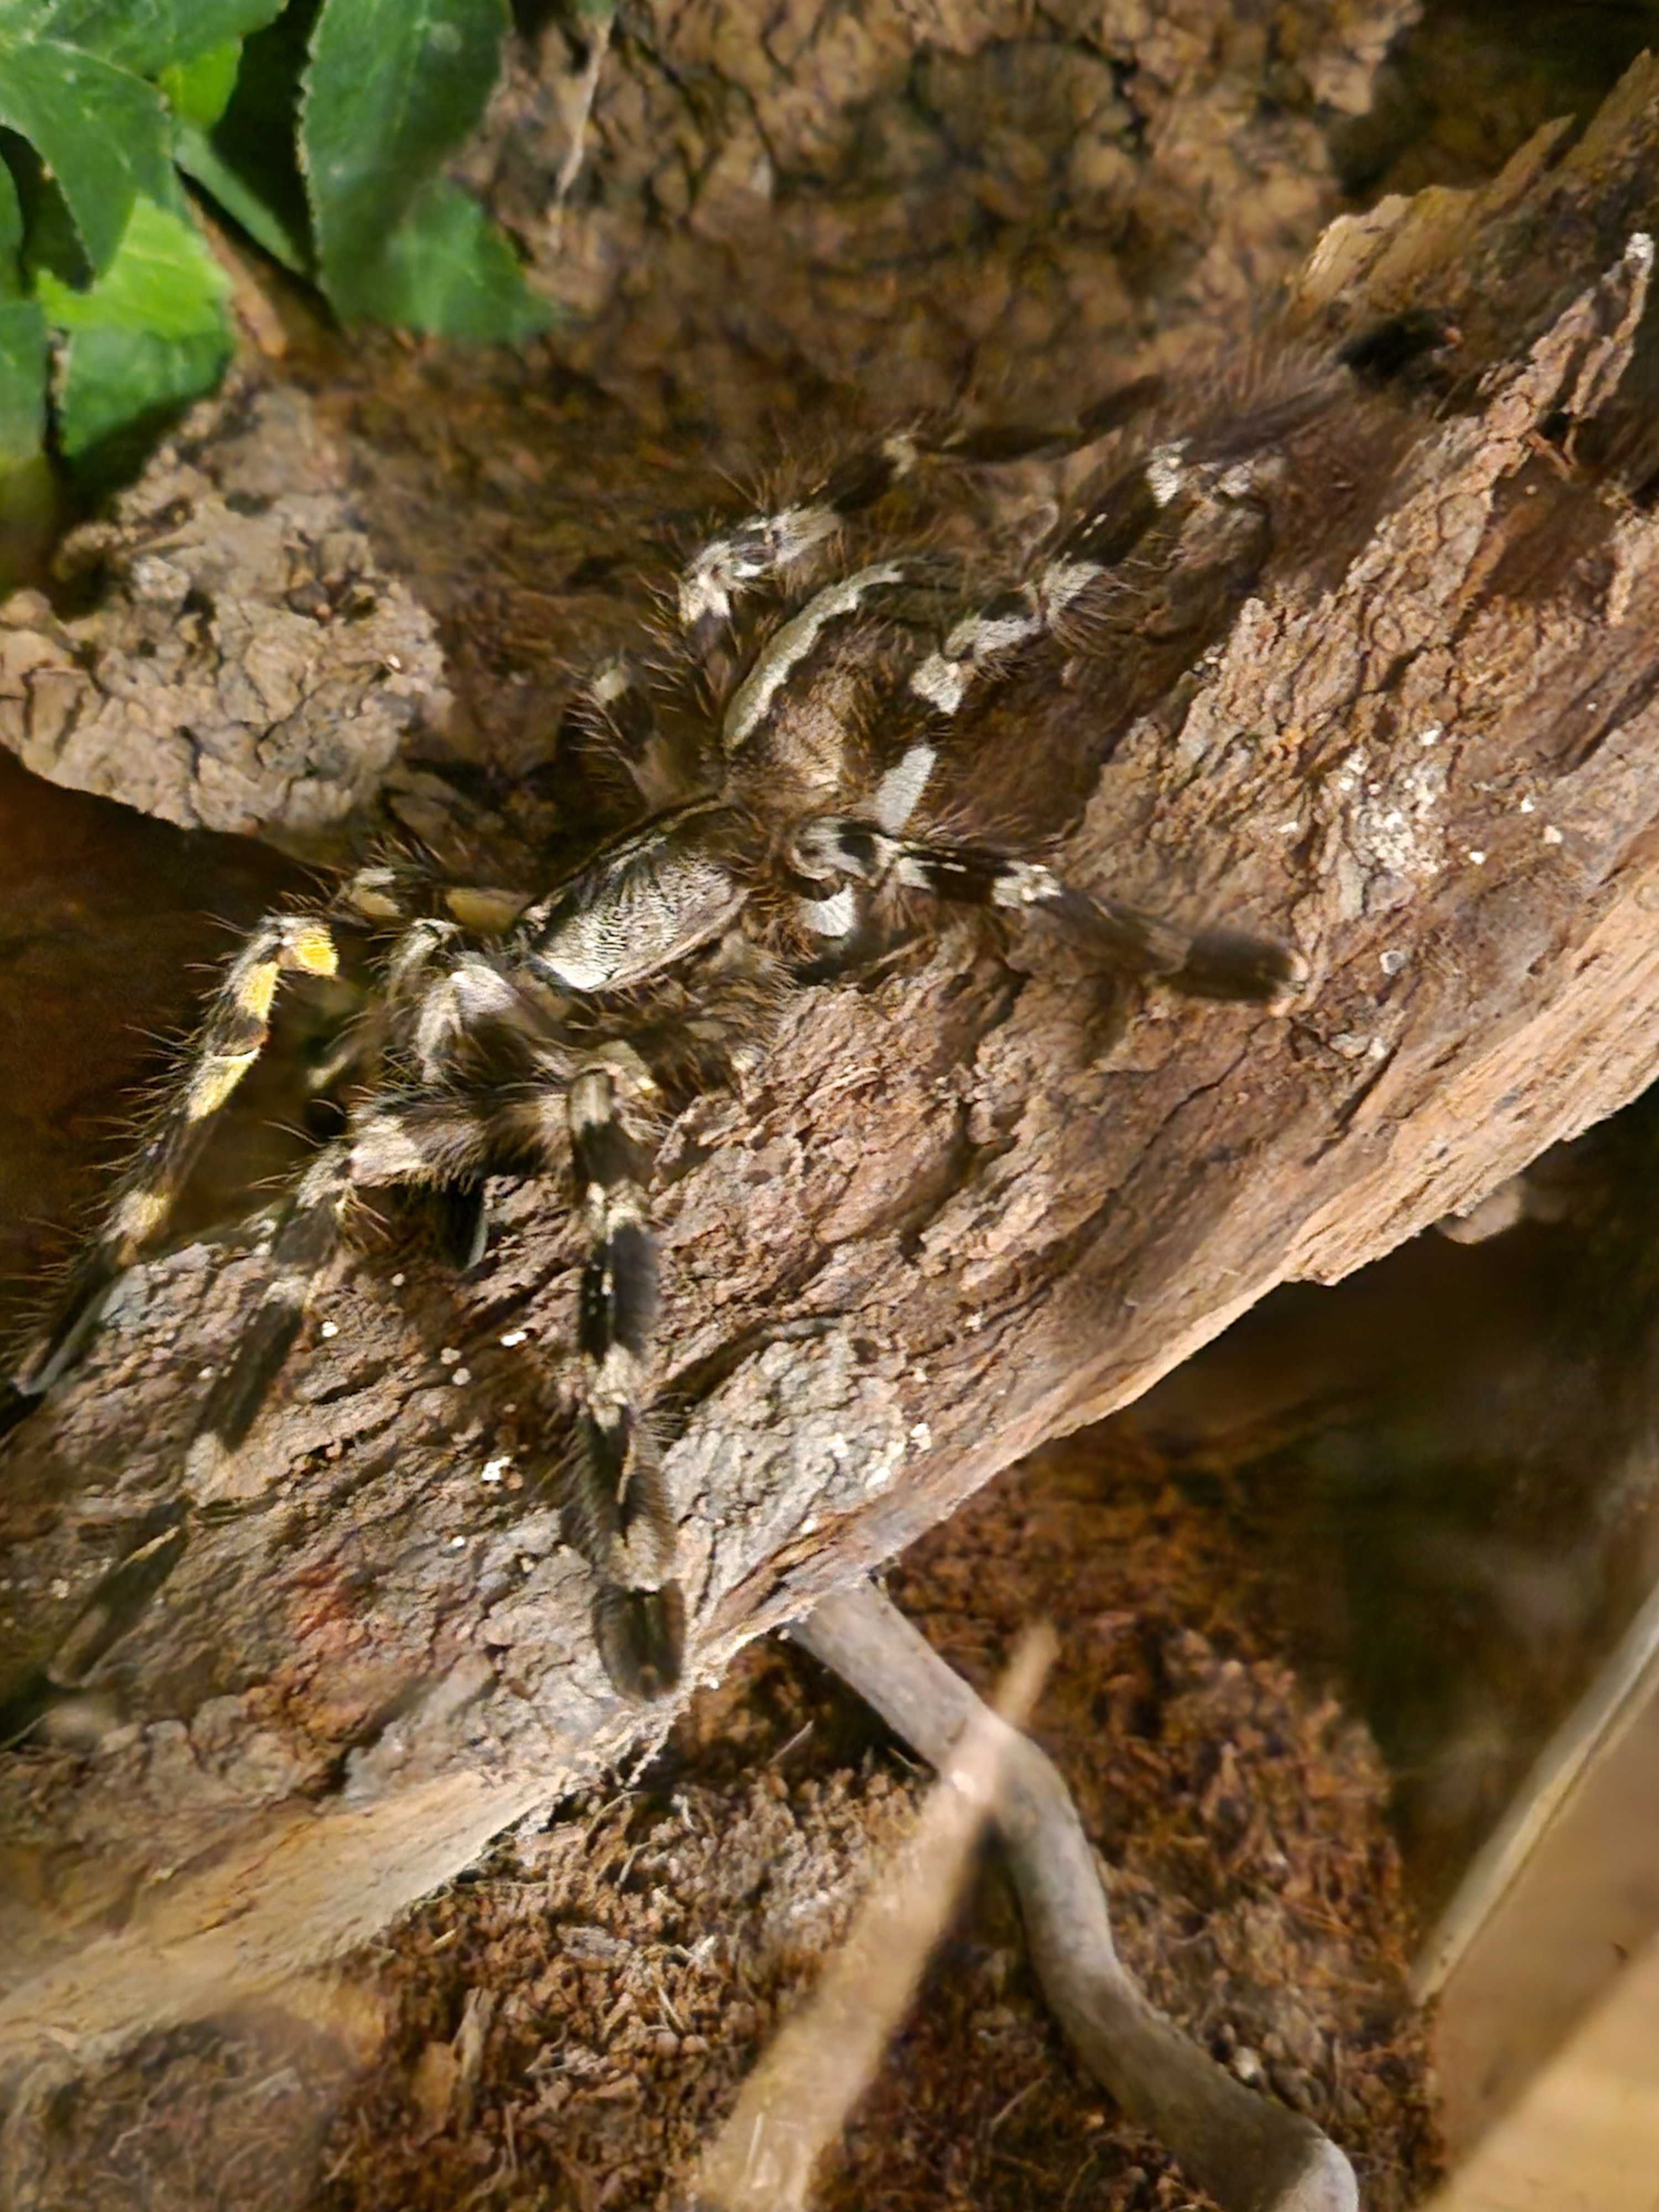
798 735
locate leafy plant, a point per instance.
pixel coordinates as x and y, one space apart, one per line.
320 128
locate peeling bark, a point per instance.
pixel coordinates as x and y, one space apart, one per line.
248 665
1422 748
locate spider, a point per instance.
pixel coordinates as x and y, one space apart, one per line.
797 736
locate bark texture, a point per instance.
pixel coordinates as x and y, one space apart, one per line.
246 663
1423 748
933 200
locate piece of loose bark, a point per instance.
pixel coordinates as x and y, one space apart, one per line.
248 663
1421 748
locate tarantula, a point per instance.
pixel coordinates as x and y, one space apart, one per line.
794 758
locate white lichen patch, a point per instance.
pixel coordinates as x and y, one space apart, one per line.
1389 817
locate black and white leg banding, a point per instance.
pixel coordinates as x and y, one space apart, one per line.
763 547
797 644
305 1243
230 1040
1218 963
302 1246
623 1507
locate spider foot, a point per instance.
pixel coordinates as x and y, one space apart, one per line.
1228 963
640 1635
54 1689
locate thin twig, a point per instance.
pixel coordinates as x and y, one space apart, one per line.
796 2101
1251 2155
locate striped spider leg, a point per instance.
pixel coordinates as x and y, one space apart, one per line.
1210 492
763 547
139 1208
1209 964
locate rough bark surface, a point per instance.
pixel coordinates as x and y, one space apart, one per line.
247 664
1423 748
936 200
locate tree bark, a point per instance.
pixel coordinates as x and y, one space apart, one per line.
958 1212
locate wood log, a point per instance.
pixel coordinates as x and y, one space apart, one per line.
960 1211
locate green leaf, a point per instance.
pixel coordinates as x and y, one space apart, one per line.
101 131
448 270
22 380
11 235
145 36
198 91
118 390
248 162
199 158
162 280
393 86
144 341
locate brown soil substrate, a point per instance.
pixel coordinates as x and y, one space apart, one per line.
569 2025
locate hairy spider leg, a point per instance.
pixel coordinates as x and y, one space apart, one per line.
458 1209
624 1523
366 900
625 1518
762 547
622 1510
976 650
306 1238
412 891
231 1038
431 1137
1212 964
825 908
615 697
981 650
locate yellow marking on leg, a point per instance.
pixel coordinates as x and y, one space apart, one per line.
310 947
213 1081
255 991
136 1219
374 905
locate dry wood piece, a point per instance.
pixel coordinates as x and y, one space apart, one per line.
1252 2155
824 2058
1422 747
